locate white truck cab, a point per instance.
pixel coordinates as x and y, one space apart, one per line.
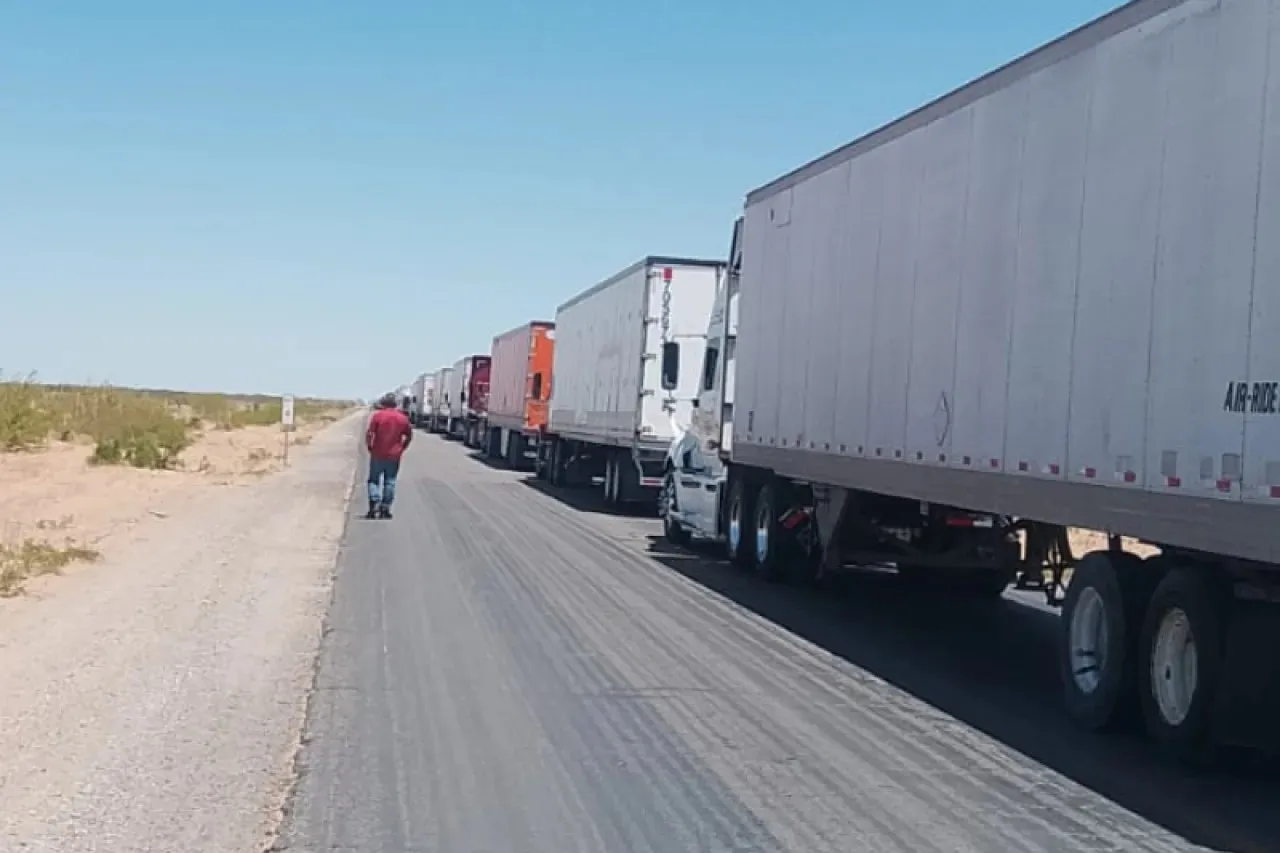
691 500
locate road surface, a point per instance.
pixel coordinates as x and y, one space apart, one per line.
504 671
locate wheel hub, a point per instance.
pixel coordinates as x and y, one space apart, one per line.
1174 667
1090 641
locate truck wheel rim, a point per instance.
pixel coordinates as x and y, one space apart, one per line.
762 532
1090 640
1175 671
735 525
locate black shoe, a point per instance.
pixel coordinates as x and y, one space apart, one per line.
373 511
384 511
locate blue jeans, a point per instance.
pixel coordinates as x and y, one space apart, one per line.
382 480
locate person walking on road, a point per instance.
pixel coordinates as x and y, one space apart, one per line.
388 435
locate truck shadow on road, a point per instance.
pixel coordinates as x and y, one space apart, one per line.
588 500
992 666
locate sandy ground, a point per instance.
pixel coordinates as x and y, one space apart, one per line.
54 495
154 702
1084 541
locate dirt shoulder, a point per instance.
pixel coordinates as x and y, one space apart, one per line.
153 702
54 496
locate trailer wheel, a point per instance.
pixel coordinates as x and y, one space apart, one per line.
1180 662
767 535
667 501
611 479
1100 620
739 529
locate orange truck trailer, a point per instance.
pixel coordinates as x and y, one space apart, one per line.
519 391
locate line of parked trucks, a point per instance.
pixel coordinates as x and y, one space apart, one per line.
1045 301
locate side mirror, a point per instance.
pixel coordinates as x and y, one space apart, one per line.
670 366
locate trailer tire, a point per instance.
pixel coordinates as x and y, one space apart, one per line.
739 531
1101 618
611 480
1180 663
768 535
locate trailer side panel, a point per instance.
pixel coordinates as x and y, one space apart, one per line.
1047 296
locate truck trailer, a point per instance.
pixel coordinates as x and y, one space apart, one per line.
468 399
612 415
1044 301
519 390
423 397
438 414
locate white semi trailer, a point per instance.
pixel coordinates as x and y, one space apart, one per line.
1046 300
612 417
438 420
423 398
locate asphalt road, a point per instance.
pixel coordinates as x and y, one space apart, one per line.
507 668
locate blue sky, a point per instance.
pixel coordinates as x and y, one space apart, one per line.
318 197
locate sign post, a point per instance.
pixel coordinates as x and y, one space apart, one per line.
286 422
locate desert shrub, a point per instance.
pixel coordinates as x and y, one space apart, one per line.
144 428
23 560
154 445
25 419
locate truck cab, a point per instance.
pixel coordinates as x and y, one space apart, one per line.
691 503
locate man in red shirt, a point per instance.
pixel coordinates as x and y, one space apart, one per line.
388 435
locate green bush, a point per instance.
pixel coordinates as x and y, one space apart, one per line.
25 421
155 445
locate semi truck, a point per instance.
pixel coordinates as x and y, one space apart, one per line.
468 399
612 415
438 414
423 398
519 391
1044 301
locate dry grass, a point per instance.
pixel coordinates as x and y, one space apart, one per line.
31 558
141 428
